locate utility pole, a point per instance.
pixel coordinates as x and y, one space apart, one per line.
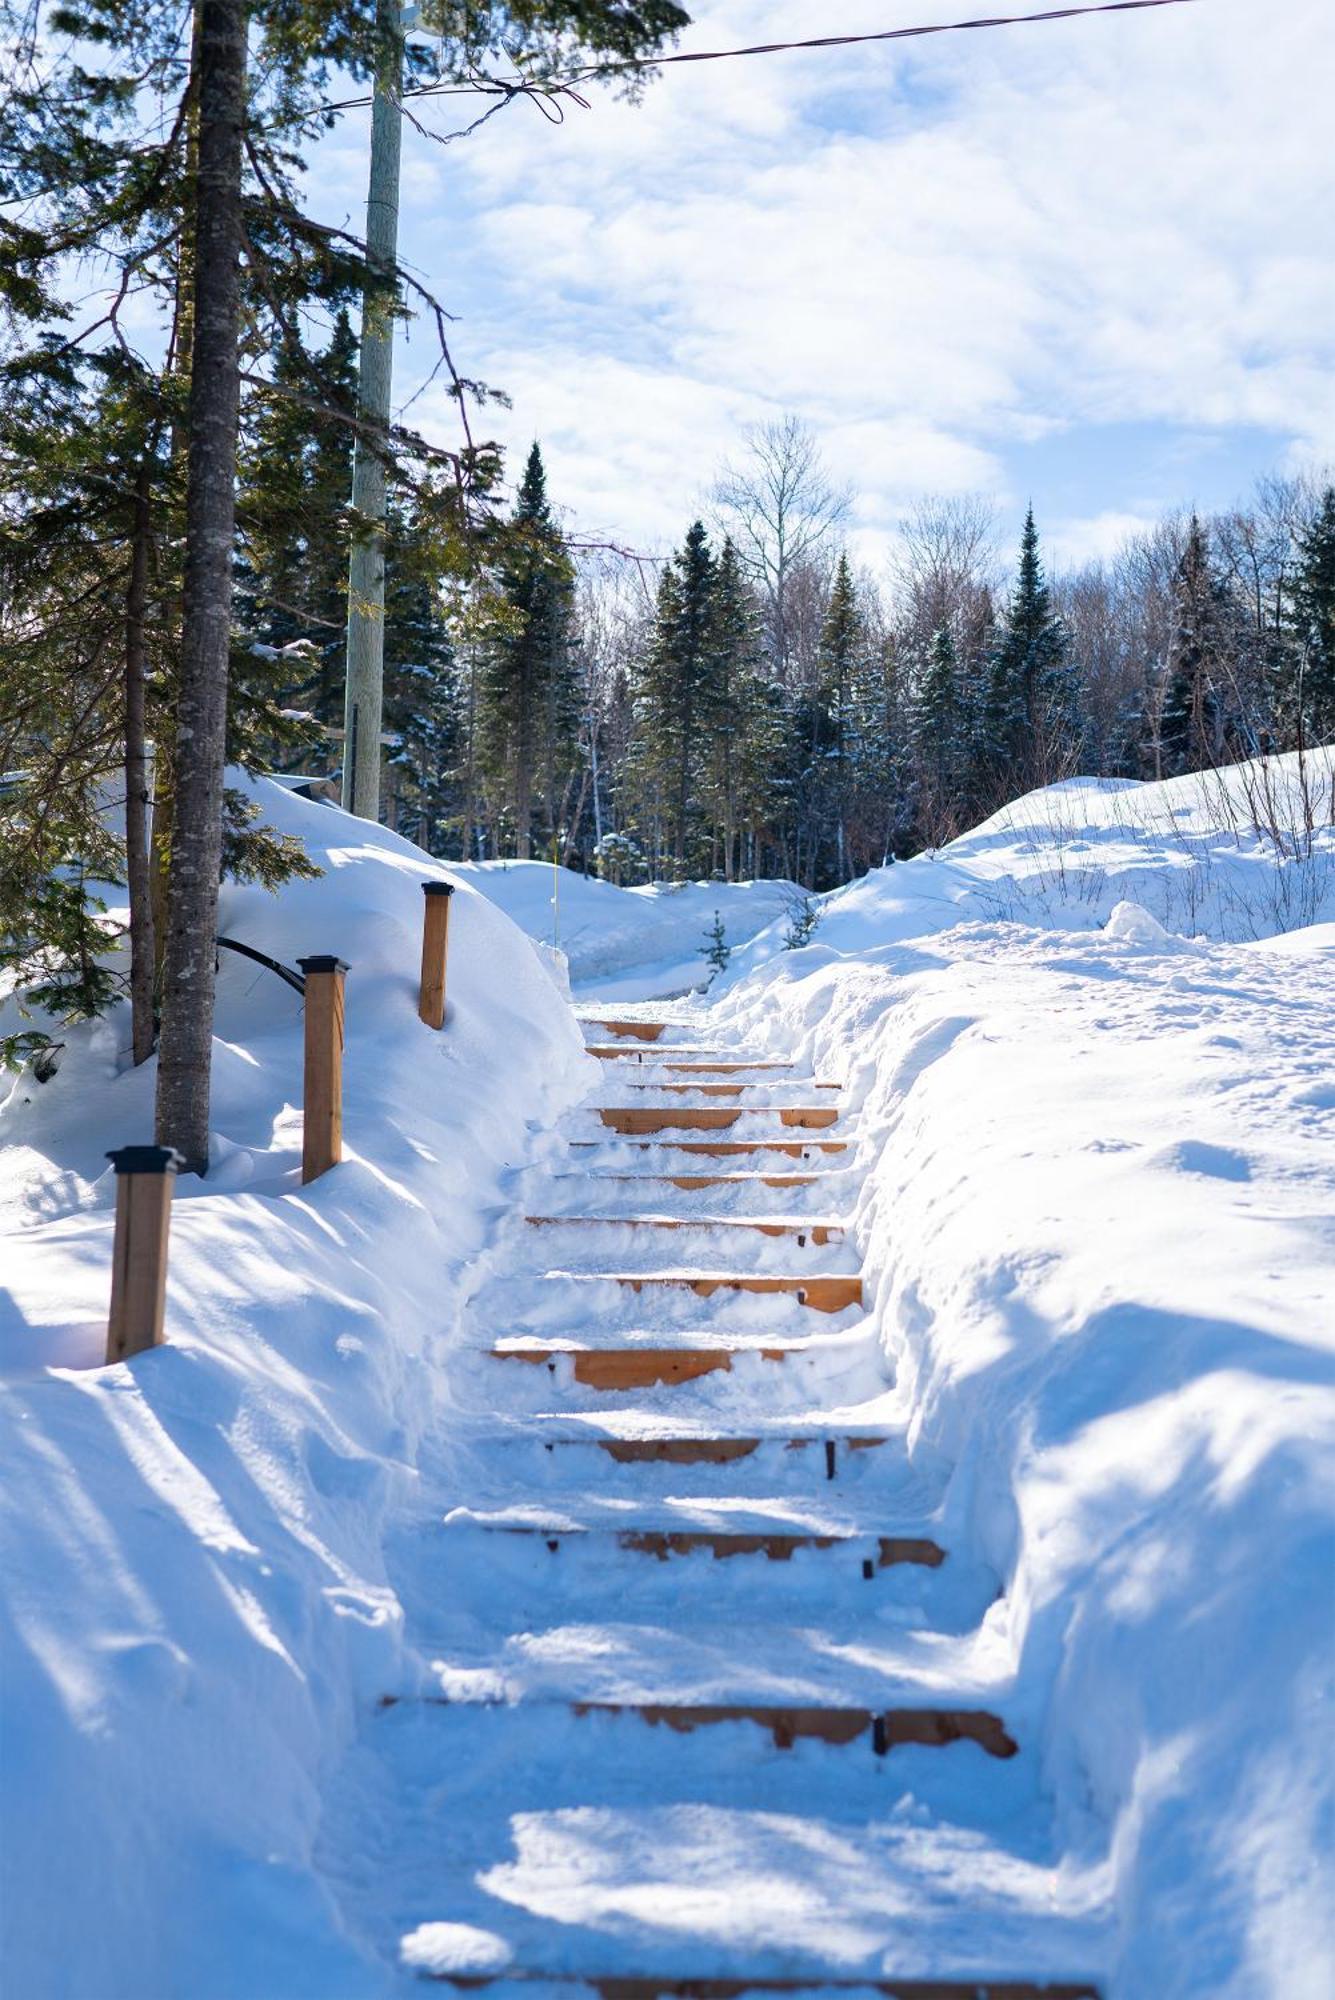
366 569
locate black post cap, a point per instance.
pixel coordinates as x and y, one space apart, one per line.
438 888
322 962
146 1160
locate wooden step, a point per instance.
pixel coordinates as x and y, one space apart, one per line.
638 1031
734 1090
635 1121
712 1451
892 1551
621 1368
673 1055
634 1986
725 1149
692 1183
931 1728
819 1294
817 1233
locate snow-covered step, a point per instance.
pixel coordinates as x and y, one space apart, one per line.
676 1452
680 1055
668 1544
752 1092
818 1292
719 1149
640 1120
835 1724
693 1183
814 1233
625 1368
639 1031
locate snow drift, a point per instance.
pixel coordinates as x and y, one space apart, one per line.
195 1599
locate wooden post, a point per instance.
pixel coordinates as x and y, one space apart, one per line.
322 1134
435 944
145 1179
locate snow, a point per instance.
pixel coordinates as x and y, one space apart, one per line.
1241 853
1089 1114
628 944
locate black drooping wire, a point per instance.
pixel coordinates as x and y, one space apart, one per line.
526 87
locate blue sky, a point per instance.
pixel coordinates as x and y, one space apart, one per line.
1086 264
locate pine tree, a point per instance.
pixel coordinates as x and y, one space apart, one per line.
1030 716
528 686
1192 720
717 949
1314 624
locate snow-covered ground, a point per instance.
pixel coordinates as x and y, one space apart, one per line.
1092 1191
630 944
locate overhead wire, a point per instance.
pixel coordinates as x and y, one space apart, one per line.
530 86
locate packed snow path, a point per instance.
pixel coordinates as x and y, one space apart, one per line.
704 1701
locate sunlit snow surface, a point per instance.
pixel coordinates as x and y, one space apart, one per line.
1093 1188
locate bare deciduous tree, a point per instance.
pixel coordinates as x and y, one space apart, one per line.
783 510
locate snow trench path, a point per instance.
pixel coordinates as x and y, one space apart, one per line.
705 1699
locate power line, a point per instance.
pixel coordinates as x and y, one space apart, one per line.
532 87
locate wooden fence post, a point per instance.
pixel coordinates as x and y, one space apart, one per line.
435 945
322 1131
145 1180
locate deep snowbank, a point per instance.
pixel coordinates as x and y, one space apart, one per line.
1098 1232
629 944
1237 854
195 1594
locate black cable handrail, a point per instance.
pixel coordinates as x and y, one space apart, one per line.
285 972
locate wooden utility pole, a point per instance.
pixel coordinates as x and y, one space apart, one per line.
364 697
322 1091
145 1179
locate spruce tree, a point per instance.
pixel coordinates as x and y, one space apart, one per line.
735 769
836 717
1314 624
676 701
1192 719
940 744
529 694
1030 718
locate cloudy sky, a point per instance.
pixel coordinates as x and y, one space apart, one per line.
1088 262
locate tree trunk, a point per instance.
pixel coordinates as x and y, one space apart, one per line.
201 715
138 862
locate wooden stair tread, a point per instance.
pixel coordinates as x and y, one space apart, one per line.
663 1544
822 1292
636 1120
702 1450
722 1149
623 1368
820 1230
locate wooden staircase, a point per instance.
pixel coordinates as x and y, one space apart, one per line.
670 1401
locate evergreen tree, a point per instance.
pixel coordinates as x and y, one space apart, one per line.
1314 624
529 689
295 475
676 702
1191 731
1030 714
423 703
734 770
940 742
836 715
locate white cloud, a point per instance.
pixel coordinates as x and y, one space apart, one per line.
933 255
